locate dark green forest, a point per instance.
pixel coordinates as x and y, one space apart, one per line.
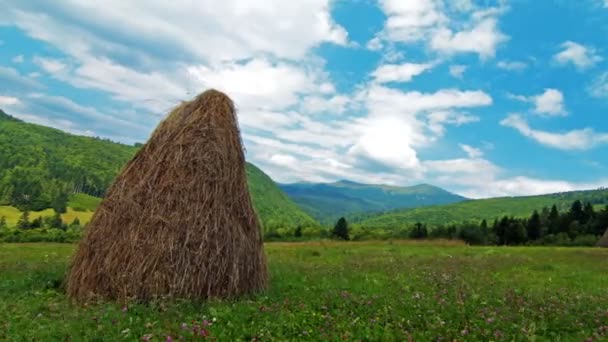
581 224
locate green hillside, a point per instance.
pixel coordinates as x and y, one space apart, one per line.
489 209
327 202
40 167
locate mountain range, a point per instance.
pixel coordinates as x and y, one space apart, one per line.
328 201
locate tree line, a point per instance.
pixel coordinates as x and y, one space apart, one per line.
581 224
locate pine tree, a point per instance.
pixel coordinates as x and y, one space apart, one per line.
516 233
576 211
588 213
501 230
341 229
3 222
534 226
36 223
419 231
24 220
553 221
298 232
76 222
56 222
60 202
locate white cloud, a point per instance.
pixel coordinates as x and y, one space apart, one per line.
472 152
437 120
583 57
50 65
387 140
233 29
512 65
520 185
458 70
430 21
581 139
375 44
9 101
483 38
549 103
18 59
260 83
409 21
400 72
599 87
317 104
398 122
415 101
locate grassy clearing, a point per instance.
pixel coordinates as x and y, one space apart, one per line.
333 291
13 214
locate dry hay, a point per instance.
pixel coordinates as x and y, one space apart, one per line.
178 220
603 240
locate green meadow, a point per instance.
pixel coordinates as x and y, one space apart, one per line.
334 291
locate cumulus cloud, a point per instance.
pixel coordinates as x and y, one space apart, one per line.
430 21
549 103
581 56
50 65
234 29
580 139
472 152
400 72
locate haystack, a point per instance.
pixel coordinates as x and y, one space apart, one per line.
603 240
178 220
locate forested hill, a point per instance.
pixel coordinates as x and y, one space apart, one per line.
38 164
40 167
488 209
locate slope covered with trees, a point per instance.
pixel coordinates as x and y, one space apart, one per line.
42 168
485 209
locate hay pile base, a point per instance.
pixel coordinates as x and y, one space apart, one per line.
603 240
178 221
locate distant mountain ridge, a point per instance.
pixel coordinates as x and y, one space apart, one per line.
328 201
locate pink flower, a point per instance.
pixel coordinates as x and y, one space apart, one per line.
204 333
169 339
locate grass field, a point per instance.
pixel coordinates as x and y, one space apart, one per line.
12 215
373 291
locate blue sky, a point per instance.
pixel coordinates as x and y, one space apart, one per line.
484 98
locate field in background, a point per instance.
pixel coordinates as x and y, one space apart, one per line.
333 291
